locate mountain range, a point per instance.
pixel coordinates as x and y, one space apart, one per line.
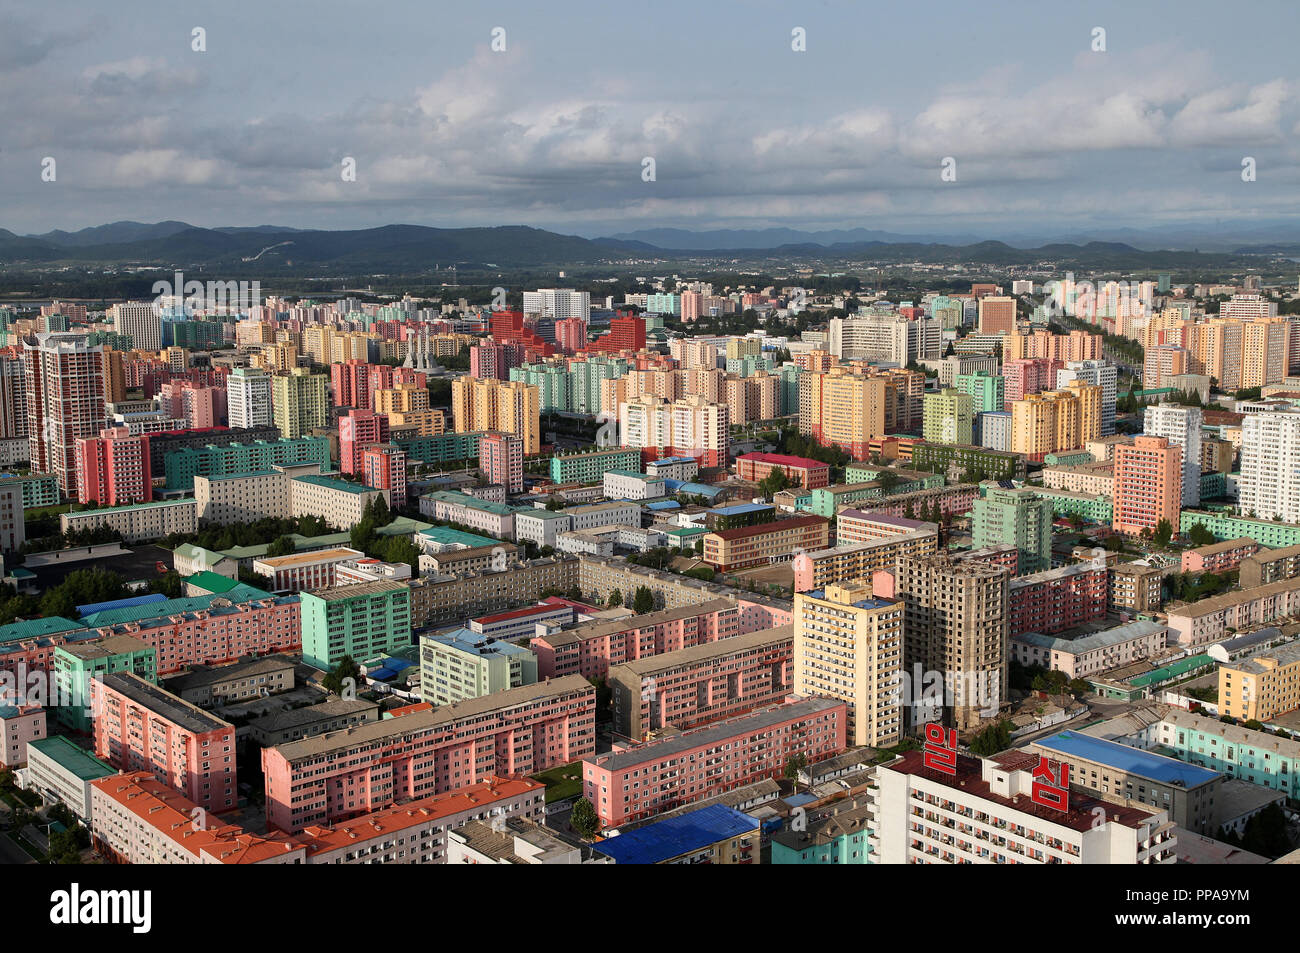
411 249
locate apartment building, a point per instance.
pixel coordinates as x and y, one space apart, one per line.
589 466
849 645
464 664
1181 426
1269 565
688 767
136 820
486 405
208 685
140 727
1269 486
765 543
138 522
955 622
591 648
1219 557
60 771
1121 774
422 751
1019 518
701 684
1210 619
206 630
1058 599
182 464
359 621
438 600
1148 485
1136 587
820 568
1262 686
1093 654
984 813
803 472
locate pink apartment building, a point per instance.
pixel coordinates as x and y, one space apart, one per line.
591 648
1028 375
19 725
425 751
220 633
501 458
140 727
695 686
114 468
1219 557
649 779
138 820
201 406
383 467
1058 599
358 430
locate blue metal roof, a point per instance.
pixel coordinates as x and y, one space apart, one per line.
664 505
1131 760
129 602
679 835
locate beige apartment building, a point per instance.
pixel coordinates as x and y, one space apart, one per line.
849 645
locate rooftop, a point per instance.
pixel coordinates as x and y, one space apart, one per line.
784 460
1129 760
674 836
1236 597
359 590
106 647
475 643
76 761
1227 546
163 703
696 654
599 629
215 674
968 782
797 522
278 563
1097 640
428 719
310 714
332 483
714 733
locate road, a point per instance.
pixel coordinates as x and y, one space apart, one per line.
11 853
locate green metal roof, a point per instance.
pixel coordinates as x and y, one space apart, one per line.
213 582
84 765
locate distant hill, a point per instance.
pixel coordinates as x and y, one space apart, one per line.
417 249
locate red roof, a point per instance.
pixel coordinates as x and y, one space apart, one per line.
782 460
518 613
742 531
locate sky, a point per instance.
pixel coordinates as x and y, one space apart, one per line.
553 131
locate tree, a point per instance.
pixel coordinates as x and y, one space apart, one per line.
793 765
281 546
1164 533
615 598
994 738
169 584
643 601
336 680
584 819
64 849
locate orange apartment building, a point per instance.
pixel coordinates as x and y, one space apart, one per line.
1148 485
